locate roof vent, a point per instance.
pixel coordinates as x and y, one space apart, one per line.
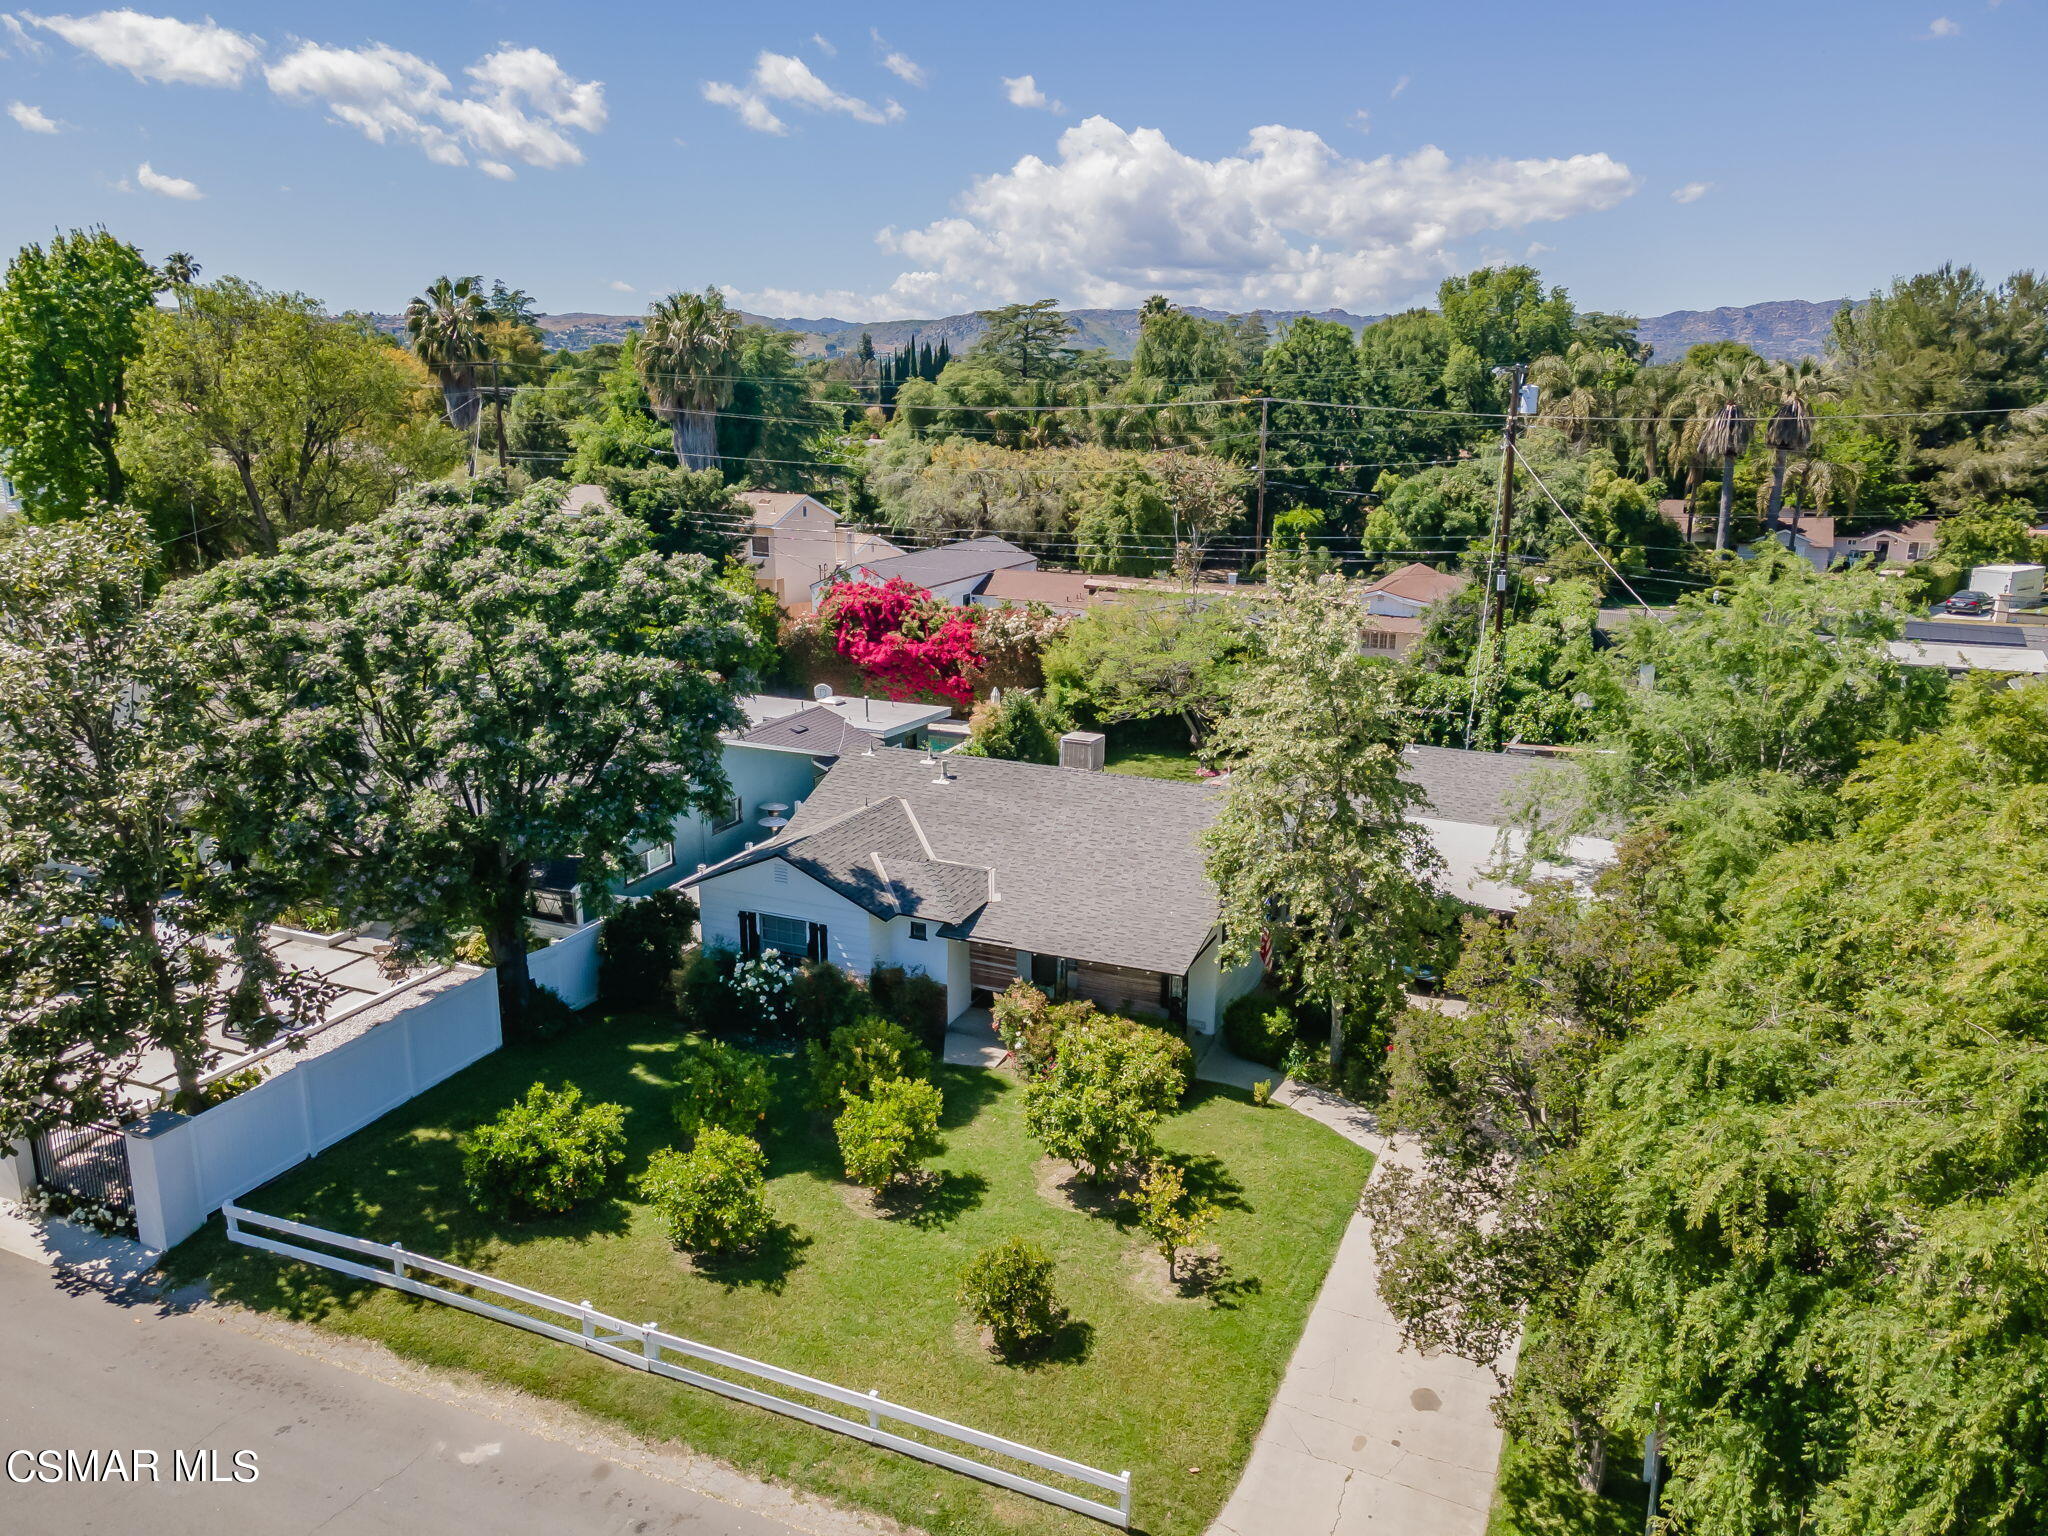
822 693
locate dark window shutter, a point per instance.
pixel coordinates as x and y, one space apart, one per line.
816 948
750 934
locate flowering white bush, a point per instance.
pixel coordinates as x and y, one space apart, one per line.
93 1214
763 983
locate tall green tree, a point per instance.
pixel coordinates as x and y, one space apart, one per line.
120 935
446 327
70 323
1141 661
1800 386
1024 341
253 415
1315 449
1822 1265
687 362
1314 842
1124 526
768 429
464 687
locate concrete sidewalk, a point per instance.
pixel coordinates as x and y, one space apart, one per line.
1363 1436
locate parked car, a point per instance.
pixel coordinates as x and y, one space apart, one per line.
1972 604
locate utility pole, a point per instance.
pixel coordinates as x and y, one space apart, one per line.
1493 597
1510 430
1259 536
498 408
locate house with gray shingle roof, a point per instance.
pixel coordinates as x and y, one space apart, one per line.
977 871
952 573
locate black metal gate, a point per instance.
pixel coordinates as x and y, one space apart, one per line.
86 1162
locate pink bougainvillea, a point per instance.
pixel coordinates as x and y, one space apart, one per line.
905 640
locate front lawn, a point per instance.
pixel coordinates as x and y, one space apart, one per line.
1172 1389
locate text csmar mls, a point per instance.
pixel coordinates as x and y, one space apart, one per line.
131 1466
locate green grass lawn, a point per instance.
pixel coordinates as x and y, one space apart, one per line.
1173 1390
1153 749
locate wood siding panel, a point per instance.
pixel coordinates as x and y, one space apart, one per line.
994 966
1118 988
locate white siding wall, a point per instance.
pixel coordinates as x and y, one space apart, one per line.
759 777
1212 987
848 931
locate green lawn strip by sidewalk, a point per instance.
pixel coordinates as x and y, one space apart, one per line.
1172 1390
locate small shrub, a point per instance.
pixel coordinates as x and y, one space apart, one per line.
912 999
702 987
1259 1028
1029 1023
711 1198
824 998
546 1014
857 1057
720 1085
1169 1215
1110 1081
1262 1092
546 1154
1008 1289
640 945
473 946
884 1136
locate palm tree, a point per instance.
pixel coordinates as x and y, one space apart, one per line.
1722 392
1789 432
685 361
1578 391
446 327
180 270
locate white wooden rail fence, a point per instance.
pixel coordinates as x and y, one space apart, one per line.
645 1347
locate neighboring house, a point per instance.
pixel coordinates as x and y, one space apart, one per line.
1061 591
977 871
1398 603
1411 591
1690 526
794 542
1469 800
776 760
1816 540
952 573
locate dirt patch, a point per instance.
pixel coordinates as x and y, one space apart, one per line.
976 1339
1199 1274
1060 1182
908 1196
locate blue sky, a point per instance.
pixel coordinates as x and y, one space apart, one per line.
1648 157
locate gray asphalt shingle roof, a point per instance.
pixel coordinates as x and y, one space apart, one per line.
950 562
819 731
1092 866
1472 787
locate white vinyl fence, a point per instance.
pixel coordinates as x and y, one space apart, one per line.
568 967
645 1347
184 1168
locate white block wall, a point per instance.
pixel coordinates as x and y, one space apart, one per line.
568 967
184 1168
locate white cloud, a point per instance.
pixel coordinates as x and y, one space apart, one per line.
1362 120
1942 26
1023 91
152 180
620 285
784 77
34 119
18 35
158 47
1400 85
899 64
1691 192
521 105
1288 222
819 42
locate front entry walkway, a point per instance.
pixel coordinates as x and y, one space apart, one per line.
1363 1436
971 1041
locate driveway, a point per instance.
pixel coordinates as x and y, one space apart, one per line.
343 1440
1363 1436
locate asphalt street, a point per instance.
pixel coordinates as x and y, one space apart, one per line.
333 1449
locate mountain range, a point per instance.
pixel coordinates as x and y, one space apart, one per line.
1780 328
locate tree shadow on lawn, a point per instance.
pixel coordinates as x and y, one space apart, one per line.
1071 1344
766 1267
966 1091
1207 1179
933 1202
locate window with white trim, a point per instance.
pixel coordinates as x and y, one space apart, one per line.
654 860
790 935
728 815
